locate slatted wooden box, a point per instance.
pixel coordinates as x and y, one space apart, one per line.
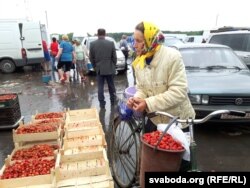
83 114
82 124
32 137
17 148
30 181
81 153
92 140
28 144
93 172
83 132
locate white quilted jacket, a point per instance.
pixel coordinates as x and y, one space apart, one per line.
163 85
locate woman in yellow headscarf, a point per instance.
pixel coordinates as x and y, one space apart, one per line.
160 77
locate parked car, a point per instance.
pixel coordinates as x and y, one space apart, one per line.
239 41
172 41
194 39
120 66
217 79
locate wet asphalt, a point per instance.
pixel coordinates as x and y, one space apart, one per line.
221 147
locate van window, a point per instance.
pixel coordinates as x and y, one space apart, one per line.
190 39
238 42
247 43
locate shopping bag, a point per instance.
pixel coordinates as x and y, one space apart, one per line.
178 135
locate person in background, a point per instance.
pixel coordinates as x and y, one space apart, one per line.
103 58
203 40
81 53
65 57
161 79
45 63
53 52
124 48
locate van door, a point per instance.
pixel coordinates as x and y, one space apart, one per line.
32 42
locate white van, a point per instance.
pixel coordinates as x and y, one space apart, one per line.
239 41
20 44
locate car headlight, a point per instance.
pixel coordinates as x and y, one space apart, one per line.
121 61
199 99
195 99
204 99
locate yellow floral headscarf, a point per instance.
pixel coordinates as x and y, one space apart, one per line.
153 38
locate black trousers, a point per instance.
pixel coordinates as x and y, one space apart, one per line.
150 127
112 91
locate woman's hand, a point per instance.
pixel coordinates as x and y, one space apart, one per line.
130 102
139 104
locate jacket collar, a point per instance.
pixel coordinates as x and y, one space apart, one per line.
156 58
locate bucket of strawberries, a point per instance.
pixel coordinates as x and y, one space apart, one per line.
160 153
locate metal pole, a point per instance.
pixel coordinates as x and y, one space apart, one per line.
217 17
47 23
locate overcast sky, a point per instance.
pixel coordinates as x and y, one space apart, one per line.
81 16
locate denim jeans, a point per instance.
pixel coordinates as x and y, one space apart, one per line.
112 91
53 60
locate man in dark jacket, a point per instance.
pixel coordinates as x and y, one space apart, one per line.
103 58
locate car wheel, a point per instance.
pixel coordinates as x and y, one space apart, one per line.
7 66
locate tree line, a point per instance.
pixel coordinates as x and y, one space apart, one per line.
117 36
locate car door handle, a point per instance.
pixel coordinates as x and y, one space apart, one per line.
39 44
246 56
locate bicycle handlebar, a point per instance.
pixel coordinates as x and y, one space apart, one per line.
198 121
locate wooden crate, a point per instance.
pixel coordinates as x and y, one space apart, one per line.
26 181
83 114
82 124
93 140
34 116
57 121
39 186
81 153
82 173
83 132
71 169
29 146
101 181
31 137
